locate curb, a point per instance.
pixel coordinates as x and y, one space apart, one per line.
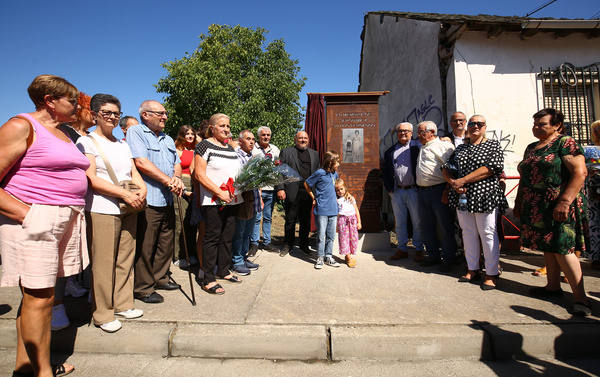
480 341
407 342
285 342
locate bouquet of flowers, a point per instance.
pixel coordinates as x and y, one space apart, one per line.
260 172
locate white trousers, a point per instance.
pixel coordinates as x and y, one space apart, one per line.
476 226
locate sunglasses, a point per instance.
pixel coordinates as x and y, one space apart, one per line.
478 124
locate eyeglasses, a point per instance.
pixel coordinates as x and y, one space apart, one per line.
159 113
458 120
404 131
421 132
478 124
107 114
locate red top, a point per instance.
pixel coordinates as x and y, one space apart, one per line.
187 157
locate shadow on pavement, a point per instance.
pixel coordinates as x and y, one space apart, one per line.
524 363
5 308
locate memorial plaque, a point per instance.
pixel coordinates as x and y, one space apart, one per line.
353 131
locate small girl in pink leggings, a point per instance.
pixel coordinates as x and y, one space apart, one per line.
348 222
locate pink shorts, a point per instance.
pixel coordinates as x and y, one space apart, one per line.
50 243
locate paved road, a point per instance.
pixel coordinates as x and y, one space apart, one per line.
93 365
395 311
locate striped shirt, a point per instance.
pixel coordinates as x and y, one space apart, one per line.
222 163
159 150
244 158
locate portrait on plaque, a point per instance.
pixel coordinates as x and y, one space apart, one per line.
353 148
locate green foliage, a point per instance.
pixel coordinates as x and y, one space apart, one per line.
233 72
260 172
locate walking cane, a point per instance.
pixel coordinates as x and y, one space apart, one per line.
185 247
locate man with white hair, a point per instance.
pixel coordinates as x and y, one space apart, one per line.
435 215
400 181
266 149
156 159
244 223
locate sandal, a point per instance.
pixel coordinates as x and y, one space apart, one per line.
539 272
214 290
489 287
57 370
581 308
476 275
232 279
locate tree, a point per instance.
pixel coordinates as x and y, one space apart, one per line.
233 72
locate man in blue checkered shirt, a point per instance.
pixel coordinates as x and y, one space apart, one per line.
244 225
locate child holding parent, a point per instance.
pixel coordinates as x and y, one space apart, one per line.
348 222
321 188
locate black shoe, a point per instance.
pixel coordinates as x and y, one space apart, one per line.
270 248
252 251
170 286
285 251
306 250
153 298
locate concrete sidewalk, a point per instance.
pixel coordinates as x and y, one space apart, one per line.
379 310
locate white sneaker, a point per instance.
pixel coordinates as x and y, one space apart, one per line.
331 262
319 263
111 326
59 318
72 288
131 313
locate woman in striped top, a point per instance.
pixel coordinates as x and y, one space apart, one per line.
216 167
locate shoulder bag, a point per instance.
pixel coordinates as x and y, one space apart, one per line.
127 184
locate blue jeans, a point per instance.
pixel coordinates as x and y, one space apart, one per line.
406 201
326 233
265 215
241 240
437 224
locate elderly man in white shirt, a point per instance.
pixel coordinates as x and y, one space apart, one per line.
266 149
436 219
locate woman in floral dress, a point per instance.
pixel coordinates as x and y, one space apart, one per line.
552 207
592 159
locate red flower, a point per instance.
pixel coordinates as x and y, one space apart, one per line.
548 237
277 162
225 187
549 157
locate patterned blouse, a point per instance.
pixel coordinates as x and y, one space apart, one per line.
485 195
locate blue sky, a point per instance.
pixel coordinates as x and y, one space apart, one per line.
117 47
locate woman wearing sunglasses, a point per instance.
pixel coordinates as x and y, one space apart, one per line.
477 196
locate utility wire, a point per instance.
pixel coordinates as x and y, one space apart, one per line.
539 8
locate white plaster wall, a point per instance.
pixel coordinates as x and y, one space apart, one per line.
400 55
497 78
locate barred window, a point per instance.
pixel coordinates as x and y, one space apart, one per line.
575 91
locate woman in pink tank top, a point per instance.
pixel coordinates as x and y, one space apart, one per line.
42 227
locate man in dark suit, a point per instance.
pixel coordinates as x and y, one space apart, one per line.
399 179
297 202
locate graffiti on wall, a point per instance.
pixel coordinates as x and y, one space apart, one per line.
424 110
506 140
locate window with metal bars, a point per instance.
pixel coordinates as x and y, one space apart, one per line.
575 91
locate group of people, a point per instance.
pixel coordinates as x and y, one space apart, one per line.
66 191
433 180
